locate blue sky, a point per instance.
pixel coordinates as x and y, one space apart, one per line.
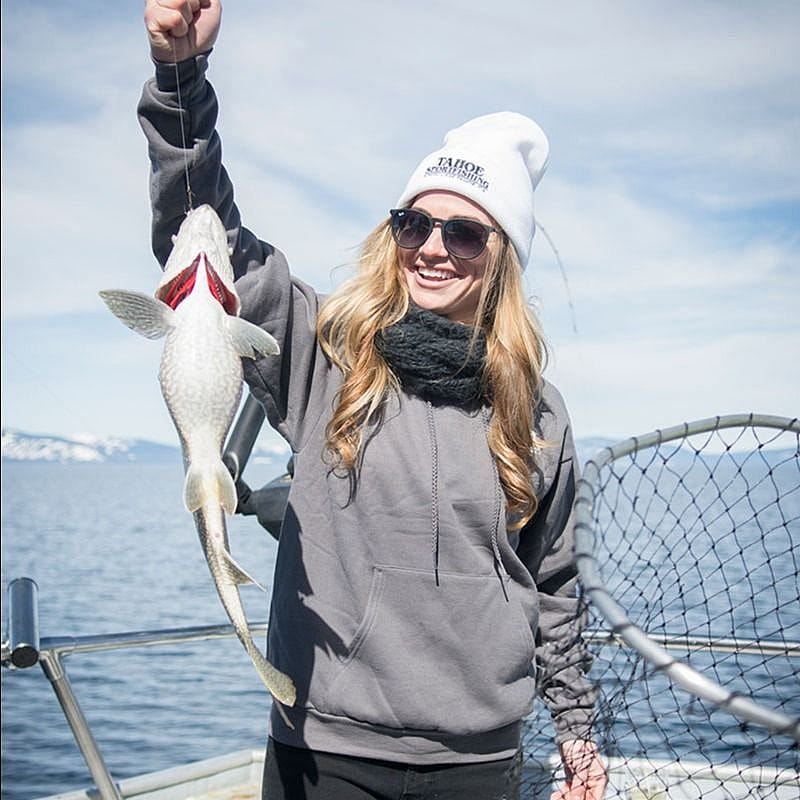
672 192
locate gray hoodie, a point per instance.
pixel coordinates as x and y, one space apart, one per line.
391 658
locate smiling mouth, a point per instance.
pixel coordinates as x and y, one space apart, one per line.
433 274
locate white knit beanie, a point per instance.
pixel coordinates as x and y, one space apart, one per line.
497 161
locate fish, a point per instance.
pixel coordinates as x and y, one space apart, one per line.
195 309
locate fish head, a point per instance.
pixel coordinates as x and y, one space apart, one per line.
201 242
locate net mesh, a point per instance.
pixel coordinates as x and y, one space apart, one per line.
698 540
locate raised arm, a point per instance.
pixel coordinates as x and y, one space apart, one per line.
178 114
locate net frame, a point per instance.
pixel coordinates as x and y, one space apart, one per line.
620 625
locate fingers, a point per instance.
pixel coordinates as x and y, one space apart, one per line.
577 789
562 794
586 773
179 29
166 18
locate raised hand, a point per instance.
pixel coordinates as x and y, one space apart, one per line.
180 29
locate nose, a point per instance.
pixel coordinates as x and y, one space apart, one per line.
433 247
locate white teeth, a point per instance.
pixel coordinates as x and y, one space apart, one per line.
434 274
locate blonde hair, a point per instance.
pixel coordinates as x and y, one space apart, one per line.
377 297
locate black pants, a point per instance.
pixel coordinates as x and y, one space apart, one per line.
294 774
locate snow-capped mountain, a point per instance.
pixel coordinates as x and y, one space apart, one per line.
86 448
83 448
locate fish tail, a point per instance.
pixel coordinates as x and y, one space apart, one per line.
209 484
279 684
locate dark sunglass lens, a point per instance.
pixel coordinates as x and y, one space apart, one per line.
411 228
464 238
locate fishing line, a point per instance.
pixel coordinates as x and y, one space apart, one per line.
563 275
189 195
58 398
579 371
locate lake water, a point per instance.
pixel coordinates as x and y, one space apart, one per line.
112 549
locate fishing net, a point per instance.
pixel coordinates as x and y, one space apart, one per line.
688 546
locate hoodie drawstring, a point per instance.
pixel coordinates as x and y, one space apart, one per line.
498 507
498 502
434 490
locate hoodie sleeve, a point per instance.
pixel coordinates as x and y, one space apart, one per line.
546 547
178 115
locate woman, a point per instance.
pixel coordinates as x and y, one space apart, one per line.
433 467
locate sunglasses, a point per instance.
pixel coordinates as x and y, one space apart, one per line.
462 238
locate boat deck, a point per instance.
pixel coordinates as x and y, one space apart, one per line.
237 776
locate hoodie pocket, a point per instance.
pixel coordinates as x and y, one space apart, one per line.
455 658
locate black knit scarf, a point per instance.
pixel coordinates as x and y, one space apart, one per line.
434 358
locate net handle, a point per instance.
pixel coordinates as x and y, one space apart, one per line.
678 671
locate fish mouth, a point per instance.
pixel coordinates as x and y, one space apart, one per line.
180 287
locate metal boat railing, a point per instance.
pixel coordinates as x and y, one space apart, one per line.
25 649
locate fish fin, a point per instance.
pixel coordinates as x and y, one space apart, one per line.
249 340
194 491
202 488
236 573
140 312
228 496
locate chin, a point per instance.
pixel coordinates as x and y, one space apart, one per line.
430 305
